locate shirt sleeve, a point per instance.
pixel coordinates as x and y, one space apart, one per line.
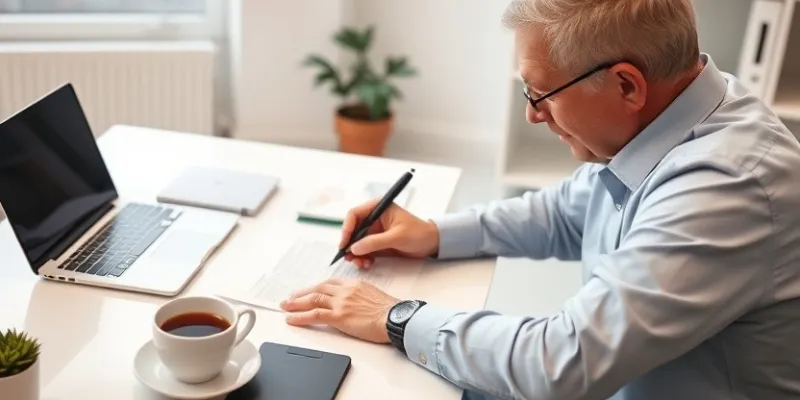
698 256
542 224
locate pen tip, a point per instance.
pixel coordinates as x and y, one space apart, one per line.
413 170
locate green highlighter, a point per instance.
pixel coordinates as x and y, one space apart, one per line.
320 221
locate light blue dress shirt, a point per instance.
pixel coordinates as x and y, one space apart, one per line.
690 245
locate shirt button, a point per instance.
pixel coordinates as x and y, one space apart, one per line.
619 206
423 359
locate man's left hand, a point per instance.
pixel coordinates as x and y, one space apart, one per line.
354 307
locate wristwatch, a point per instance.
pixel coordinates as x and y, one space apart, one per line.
399 315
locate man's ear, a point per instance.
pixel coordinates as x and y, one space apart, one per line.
632 85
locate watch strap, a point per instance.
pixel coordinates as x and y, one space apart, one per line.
396 331
396 336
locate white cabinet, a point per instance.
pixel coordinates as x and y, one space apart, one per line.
770 57
531 157
783 92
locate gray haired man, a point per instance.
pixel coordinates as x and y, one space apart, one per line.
685 217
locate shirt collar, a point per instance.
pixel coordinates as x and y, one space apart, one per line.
638 158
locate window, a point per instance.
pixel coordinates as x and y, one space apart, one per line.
110 19
102 6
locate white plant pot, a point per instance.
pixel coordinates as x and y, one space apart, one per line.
24 386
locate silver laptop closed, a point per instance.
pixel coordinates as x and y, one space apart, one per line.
220 189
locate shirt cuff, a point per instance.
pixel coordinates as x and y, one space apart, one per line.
421 336
459 235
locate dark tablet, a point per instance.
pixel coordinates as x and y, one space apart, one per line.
294 373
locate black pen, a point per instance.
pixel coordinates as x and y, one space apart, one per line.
386 201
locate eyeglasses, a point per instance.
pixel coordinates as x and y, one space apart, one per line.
534 102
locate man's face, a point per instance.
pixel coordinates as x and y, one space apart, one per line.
594 123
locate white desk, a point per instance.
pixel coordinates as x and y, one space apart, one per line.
90 335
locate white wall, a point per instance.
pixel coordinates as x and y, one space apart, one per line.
462 52
464 56
274 96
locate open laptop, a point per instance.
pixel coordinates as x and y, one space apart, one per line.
63 207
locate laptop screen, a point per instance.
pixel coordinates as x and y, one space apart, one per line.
52 177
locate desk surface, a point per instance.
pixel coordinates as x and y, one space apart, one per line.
90 335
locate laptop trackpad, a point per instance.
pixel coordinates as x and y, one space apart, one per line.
182 247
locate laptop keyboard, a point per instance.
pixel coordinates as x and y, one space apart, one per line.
115 247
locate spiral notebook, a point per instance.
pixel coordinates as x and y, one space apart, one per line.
330 204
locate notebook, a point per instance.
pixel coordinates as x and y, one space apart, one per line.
330 204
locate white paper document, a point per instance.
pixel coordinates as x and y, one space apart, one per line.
306 263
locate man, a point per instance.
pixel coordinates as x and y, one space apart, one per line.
686 217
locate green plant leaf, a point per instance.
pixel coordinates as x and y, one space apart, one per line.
314 60
395 92
327 73
376 96
350 39
320 62
366 38
355 40
398 66
17 352
323 77
360 73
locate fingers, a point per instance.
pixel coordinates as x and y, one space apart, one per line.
348 226
328 287
375 243
364 262
312 305
353 217
317 316
360 262
308 302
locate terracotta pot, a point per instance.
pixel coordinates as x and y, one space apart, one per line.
23 386
360 135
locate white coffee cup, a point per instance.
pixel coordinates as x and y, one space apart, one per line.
200 358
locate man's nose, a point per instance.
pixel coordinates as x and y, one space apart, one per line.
537 116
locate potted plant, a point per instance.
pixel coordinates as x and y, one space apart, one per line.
19 366
364 120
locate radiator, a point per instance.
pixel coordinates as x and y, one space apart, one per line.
161 85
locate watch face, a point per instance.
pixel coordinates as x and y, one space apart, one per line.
402 311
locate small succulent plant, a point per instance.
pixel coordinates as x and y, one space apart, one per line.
17 352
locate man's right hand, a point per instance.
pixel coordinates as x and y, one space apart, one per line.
396 233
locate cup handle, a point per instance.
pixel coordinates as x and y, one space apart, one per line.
241 333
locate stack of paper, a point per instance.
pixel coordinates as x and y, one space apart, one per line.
306 263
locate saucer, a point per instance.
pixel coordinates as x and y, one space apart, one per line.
243 366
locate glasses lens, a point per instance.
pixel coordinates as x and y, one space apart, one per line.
528 96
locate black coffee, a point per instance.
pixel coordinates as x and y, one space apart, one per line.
195 324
